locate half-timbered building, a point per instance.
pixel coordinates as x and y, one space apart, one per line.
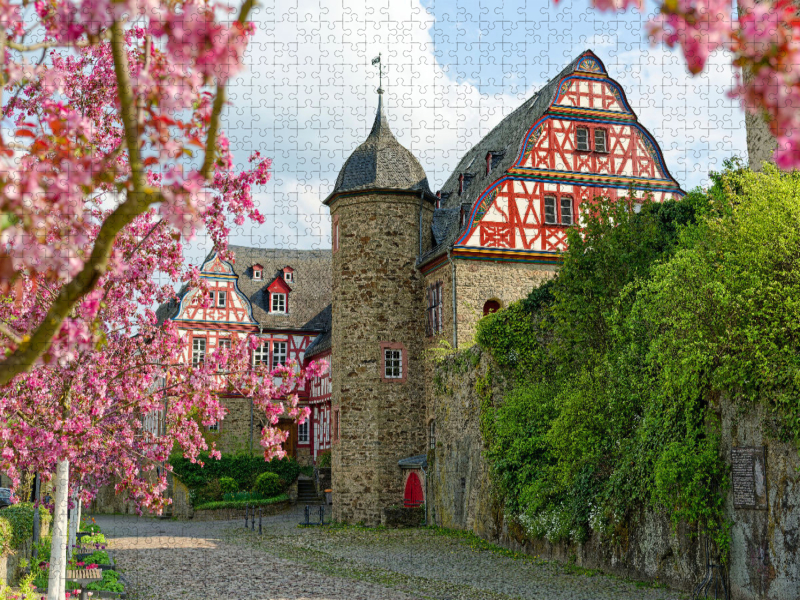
409 268
282 298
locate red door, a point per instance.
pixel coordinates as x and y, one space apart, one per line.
413 495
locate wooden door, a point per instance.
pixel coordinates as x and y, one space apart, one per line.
413 495
290 445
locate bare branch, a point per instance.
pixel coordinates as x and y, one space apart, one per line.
8 332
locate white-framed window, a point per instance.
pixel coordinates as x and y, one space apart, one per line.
198 351
278 354
211 299
600 144
256 274
223 344
432 435
566 210
222 298
213 428
261 354
278 303
288 276
393 363
302 433
582 139
550 210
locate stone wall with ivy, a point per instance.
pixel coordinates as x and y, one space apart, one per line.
613 427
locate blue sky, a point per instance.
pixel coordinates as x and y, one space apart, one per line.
453 70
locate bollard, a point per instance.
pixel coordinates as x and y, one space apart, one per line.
259 520
321 514
245 516
253 520
308 514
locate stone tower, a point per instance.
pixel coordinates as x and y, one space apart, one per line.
381 209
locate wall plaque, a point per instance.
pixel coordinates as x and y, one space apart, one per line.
748 477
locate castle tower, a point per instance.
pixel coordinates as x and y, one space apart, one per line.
381 210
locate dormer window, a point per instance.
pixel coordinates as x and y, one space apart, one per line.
277 303
288 274
258 272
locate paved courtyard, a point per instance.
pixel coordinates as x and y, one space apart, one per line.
170 560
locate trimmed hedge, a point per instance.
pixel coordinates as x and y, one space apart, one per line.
228 485
16 525
268 485
204 481
241 503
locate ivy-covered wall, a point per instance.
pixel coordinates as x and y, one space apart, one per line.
613 427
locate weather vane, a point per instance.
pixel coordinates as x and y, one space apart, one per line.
377 61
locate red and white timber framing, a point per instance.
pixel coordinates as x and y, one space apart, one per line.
233 320
507 220
319 399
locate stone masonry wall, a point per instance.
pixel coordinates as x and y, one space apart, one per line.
377 292
764 543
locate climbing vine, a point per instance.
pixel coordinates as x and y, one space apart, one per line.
620 362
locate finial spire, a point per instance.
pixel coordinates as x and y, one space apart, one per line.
377 61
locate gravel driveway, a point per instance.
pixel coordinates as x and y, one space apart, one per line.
167 560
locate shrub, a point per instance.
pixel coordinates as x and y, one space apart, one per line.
268 485
324 461
242 503
243 468
228 485
110 582
16 524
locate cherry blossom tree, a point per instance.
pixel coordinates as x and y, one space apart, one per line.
764 41
111 153
116 105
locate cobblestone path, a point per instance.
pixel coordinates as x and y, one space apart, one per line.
171 560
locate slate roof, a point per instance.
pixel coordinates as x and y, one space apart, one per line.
414 462
380 162
323 341
505 138
311 288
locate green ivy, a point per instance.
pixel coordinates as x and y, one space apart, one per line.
619 362
16 525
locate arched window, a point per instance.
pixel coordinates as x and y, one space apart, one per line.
490 307
413 496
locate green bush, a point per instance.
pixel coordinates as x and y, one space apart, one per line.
242 503
16 524
110 582
243 468
324 460
228 485
268 485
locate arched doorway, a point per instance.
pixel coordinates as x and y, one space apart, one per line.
413 495
490 307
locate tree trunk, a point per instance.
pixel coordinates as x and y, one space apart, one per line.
74 521
56 584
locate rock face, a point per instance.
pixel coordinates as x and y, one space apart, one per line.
765 541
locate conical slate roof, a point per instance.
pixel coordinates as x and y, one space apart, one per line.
380 163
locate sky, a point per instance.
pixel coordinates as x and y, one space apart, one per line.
452 71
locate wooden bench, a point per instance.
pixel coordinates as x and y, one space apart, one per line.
84 577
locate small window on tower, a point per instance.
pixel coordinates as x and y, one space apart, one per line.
393 363
335 234
582 139
600 140
550 216
566 210
222 297
433 435
491 306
